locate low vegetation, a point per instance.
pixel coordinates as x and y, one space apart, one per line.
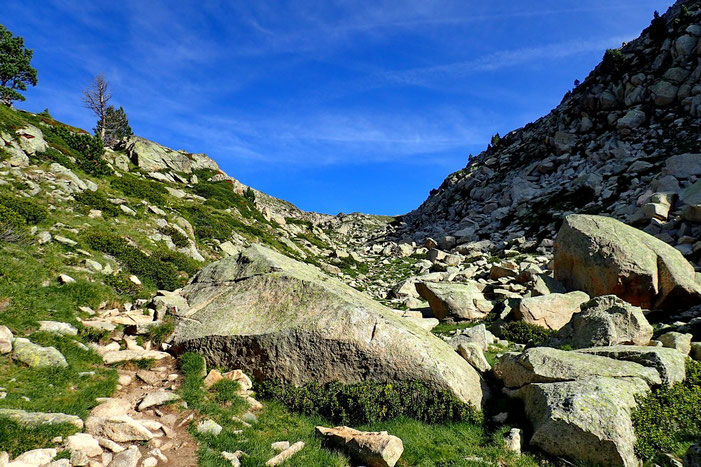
668 420
525 333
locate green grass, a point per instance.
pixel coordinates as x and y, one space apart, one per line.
451 444
17 439
57 389
22 273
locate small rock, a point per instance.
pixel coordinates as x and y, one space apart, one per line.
514 440
209 427
286 454
157 398
6 338
378 449
65 279
677 340
57 327
280 445
127 458
84 442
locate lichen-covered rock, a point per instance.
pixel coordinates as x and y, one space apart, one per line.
371 448
472 353
669 363
545 364
152 157
603 256
277 318
677 340
586 420
37 356
455 300
40 418
551 311
605 320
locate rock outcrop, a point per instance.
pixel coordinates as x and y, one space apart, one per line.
602 256
463 301
277 318
603 321
552 311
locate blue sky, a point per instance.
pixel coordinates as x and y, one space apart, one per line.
336 106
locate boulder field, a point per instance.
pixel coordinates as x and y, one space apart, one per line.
278 318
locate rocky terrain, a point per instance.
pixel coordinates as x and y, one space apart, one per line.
542 307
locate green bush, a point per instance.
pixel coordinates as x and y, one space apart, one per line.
526 333
88 148
97 200
32 212
613 62
179 239
160 332
122 285
250 195
221 195
370 402
669 418
141 188
159 269
12 225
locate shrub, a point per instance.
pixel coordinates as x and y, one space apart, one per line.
122 285
97 200
141 188
250 195
613 62
370 402
525 333
221 195
657 28
12 225
89 148
669 417
157 269
179 239
160 332
30 210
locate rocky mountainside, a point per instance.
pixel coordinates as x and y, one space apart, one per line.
542 307
622 143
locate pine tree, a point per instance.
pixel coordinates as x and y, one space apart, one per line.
15 69
116 125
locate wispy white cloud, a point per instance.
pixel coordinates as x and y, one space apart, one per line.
502 59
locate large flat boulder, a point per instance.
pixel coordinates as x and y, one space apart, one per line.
669 363
603 256
551 311
545 365
586 420
455 300
275 317
605 320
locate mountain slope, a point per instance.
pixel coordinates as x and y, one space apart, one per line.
603 149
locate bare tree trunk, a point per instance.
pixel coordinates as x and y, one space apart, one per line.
95 98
